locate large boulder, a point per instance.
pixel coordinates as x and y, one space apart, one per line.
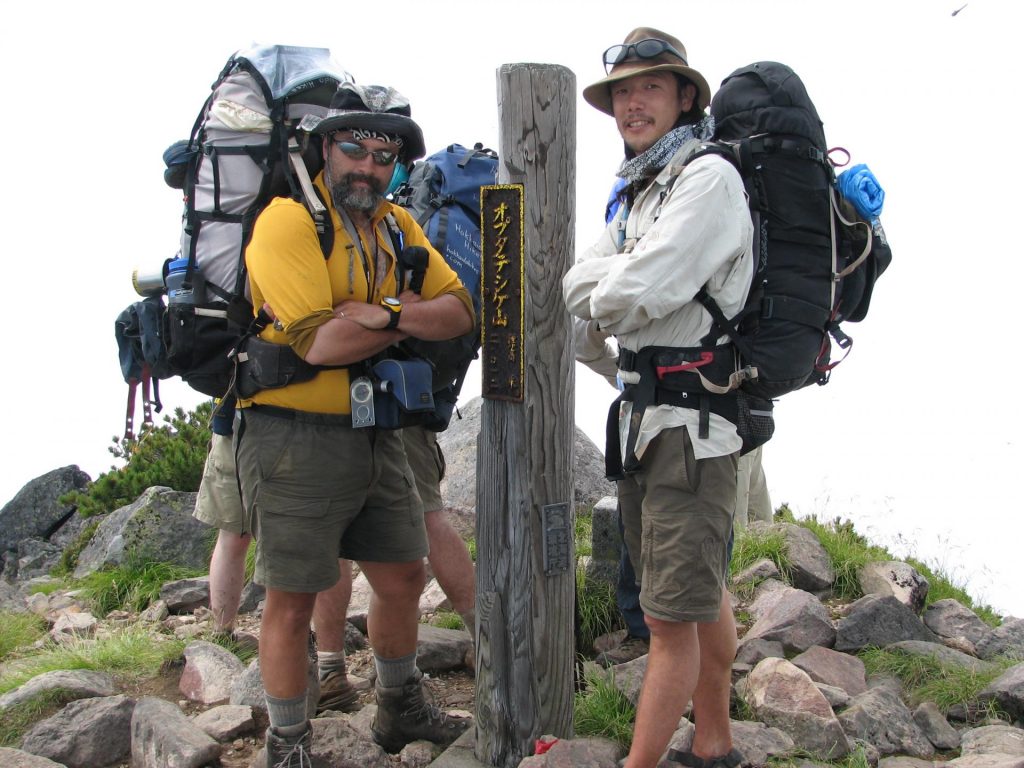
158 526
35 511
783 696
874 620
458 489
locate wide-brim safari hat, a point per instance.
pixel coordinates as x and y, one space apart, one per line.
629 61
372 108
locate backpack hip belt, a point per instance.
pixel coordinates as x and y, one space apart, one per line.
684 377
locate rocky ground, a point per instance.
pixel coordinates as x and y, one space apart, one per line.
798 674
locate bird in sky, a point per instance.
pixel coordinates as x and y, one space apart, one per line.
959 9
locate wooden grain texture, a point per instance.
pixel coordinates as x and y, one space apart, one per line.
525 651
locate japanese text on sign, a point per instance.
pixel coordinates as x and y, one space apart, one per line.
501 294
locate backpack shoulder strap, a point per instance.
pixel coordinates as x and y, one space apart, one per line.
311 197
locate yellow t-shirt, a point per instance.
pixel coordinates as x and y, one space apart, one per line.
287 270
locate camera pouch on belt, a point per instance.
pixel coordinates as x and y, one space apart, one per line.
262 365
402 395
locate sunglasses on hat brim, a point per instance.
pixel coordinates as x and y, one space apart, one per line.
649 48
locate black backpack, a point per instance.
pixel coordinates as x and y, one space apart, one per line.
443 195
815 258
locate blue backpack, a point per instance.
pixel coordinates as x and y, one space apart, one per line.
443 195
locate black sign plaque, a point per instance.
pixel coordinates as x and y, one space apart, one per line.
501 291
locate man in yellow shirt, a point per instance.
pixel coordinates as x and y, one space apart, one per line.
314 487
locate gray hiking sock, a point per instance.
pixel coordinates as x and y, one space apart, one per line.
287 716
392 673
330 661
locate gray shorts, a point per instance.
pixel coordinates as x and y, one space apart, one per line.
218 502
313 489
427 464
677 514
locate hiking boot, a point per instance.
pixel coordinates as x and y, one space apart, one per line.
407 713
337 693
289 751
629 649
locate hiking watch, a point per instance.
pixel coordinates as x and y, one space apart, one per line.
394 306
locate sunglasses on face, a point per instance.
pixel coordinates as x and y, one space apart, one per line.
383 157
644 49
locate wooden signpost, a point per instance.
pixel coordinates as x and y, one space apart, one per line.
525 517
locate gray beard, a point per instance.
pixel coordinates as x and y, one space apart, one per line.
362 200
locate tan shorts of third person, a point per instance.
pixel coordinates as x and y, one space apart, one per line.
219 503
426 461
677 513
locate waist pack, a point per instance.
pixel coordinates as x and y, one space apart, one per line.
700 378
402 393
263 365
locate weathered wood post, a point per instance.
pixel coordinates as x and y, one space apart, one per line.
525 517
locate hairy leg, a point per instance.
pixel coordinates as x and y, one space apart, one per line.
672 668
331 611
227 577
449 560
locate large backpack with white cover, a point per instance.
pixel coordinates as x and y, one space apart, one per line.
443 195
815 259
242 152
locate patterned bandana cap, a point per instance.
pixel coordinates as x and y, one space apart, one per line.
379 98
369 133
370 111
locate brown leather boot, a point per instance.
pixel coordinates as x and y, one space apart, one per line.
337 693
407 713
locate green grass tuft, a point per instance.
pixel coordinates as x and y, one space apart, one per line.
752 545
18 630
848 552
448 620
132 585
925 678
941 586
602 710
599 613
133 652
244 652
18 720
583 533
856 759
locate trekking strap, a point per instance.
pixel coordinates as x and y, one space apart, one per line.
149 403
129 416
867 246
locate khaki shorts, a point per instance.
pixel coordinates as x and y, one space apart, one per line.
677 513
315 491
219 503
427 464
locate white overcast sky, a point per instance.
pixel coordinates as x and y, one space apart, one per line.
918 437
